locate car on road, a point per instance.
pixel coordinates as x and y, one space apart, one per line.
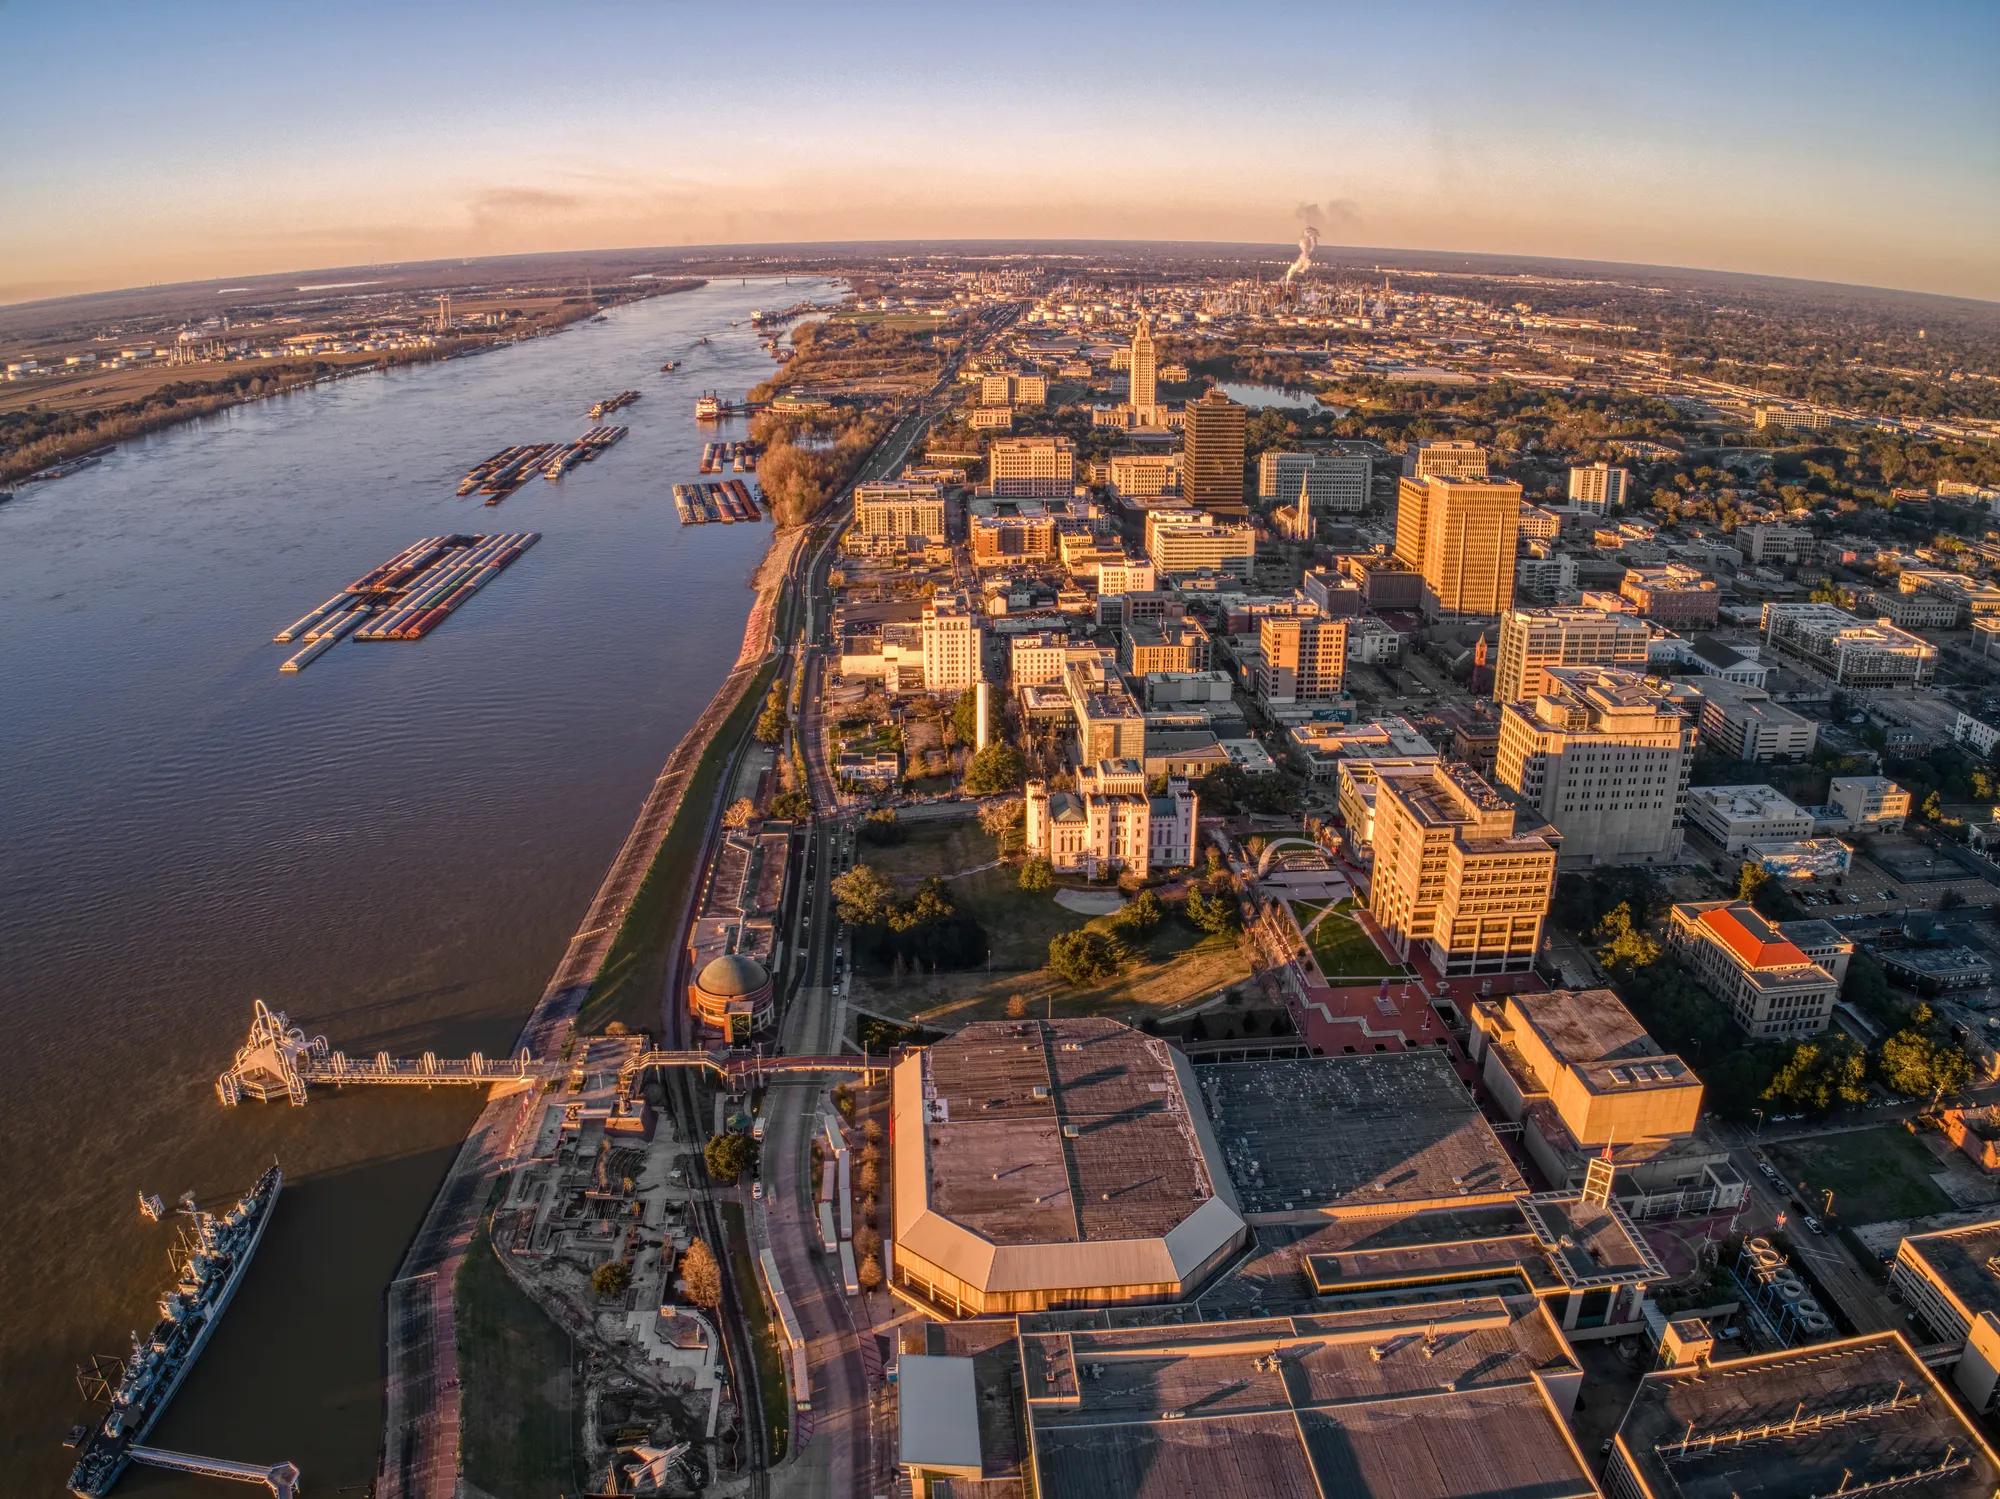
1768 1169
756 1191
1814 1224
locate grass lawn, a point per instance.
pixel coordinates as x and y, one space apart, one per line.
628 986
1178 965
764 1335
1340 947
1876 1174
929 847
515 1366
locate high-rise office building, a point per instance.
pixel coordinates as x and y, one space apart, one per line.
1144 390
1301 658
1448 459
896 508
1336 480
1605 758
1598 487
1452 877
1532 640
951 641
1212 455
1461 535
1029 466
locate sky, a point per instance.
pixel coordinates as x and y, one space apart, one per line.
1836 141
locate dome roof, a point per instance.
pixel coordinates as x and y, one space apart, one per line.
732 976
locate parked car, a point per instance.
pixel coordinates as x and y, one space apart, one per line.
1768 1169
1814 1224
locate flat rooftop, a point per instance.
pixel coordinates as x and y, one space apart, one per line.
1348 1403
1352 1134
1059 1132
1725 1430
1960 1260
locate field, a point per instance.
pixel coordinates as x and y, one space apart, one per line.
515 1366
1340 947
1877 1175
934 847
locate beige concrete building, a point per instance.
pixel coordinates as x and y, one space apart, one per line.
1745 724
1580 1075
1738 816
1110 823
1011 388
1451 876
892 509
1144 475
1598 487
1318 749
1145 647
1301 658
1533 640
1853 652
1031 466
1442 458
1461 534
1212 455
1181 542
952 639
1110 725
1142 389
1949 1280
1331 481
1604 756
1779 979
1054 1163
1868 804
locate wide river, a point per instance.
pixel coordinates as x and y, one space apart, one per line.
393 845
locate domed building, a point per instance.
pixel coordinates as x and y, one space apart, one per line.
732 993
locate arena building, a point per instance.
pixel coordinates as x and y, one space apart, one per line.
1054 1163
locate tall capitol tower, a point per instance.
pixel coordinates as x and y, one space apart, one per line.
1142 396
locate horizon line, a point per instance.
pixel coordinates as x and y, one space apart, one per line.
1286 248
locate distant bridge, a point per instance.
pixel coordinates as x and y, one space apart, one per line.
278 1060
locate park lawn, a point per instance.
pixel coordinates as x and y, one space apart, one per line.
1178 965
929 847
514 1363
1341 948
1877 1175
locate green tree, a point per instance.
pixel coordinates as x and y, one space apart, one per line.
1751 878
791 805
1820 1074
730 1156
1142 913
1623 945
965 717
771 722
1086 956
1917 1061
610 1279
882 826
740 813
862 897
994 769
1214 910
701 1276
1036 873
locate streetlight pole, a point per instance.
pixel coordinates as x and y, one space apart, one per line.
1760 1120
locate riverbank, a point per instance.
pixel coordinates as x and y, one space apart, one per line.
258 380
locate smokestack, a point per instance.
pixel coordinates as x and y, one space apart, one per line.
1308 242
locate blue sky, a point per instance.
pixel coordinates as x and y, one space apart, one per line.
1838 141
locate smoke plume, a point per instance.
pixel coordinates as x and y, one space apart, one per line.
1308 242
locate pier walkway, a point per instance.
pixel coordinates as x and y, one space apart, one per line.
282 1479
278 1060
